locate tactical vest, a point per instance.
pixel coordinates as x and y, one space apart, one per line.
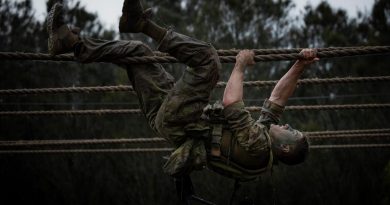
225 156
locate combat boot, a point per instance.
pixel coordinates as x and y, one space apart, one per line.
134 17
61 38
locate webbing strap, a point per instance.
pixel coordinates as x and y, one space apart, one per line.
216 137
271 155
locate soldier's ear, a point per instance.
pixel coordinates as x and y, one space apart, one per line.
285 148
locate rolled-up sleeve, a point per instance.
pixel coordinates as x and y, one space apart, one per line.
237 116
270 113
248 133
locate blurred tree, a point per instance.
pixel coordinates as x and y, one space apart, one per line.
325 27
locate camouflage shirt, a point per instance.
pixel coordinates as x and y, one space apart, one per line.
250 134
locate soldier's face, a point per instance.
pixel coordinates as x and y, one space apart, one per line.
280 129
284 134
284 127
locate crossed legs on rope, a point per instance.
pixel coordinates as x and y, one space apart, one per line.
150 81
173 111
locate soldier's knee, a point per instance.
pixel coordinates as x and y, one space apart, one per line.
213 57
213 62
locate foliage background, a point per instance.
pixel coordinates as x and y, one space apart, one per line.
342 176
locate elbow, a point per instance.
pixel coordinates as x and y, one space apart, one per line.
228 100
279 100
274 98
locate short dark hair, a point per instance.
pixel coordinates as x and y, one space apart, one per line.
297 152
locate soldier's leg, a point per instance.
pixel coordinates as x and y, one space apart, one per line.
150 81
184 104
179 118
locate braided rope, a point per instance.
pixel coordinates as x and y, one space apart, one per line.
62 151
80 142
138 111
234 52
309 81
35 56
231 52
337 132
327 107
367 135
92 89
224 59
19 143
167 149
338 146
127 88
72 112
338 107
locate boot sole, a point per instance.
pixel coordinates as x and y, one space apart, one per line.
133 18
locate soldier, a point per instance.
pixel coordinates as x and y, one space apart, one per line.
225 138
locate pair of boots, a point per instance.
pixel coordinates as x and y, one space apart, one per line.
134 19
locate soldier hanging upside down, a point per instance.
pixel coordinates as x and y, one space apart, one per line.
224 138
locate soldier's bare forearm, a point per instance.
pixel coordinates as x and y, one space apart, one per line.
234 89
286 85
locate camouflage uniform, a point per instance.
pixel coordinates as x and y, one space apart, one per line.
174 110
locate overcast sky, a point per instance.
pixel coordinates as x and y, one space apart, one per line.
110 10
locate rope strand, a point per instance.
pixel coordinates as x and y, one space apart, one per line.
343 146
62 151
127 88
234 52
326 107
138 111
80 142
367 135
356 51
336 134
166 149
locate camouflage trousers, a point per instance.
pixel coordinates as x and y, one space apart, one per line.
172 110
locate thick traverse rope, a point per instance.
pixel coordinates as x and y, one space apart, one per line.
231 52
357 51
72 112
327 107
81 142
60 151
337 132
122 141
138 111
343 146
367 135
234 52
126 88
165 149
